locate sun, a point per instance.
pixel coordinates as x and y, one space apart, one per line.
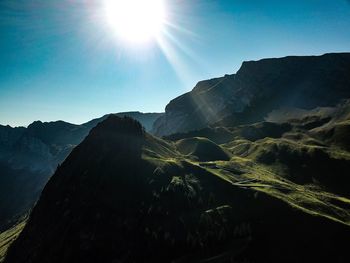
135 21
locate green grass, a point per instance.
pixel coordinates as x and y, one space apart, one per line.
8 236
303 166
308 198
245 170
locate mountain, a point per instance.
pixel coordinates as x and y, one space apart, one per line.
29 156
258 88
123 195
7 237
251 167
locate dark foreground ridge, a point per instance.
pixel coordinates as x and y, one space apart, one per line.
29 157
125 196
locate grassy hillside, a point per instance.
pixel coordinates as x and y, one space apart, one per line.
7 237
302 162
201 149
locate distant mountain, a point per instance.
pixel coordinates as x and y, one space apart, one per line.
29 156
123 195
146 119
258 88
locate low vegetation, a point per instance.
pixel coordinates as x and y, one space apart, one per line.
8 236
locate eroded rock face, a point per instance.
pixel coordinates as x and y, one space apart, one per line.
258 88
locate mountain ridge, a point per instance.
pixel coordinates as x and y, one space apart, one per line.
256 89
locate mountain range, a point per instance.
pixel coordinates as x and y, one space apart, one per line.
256 89
250 167
29 156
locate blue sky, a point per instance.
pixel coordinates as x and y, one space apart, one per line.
59 60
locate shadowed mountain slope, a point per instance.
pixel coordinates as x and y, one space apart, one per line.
29 156
202 149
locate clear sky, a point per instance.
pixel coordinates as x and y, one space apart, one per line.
60 59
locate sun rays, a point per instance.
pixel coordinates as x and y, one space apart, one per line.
140 27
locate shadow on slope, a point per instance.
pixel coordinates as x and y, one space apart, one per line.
202 149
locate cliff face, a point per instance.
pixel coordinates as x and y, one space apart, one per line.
258 88
203 105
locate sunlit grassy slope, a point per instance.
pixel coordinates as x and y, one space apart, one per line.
248 169
8 236
243 172
303 162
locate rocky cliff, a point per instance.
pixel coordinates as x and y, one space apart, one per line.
258 88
